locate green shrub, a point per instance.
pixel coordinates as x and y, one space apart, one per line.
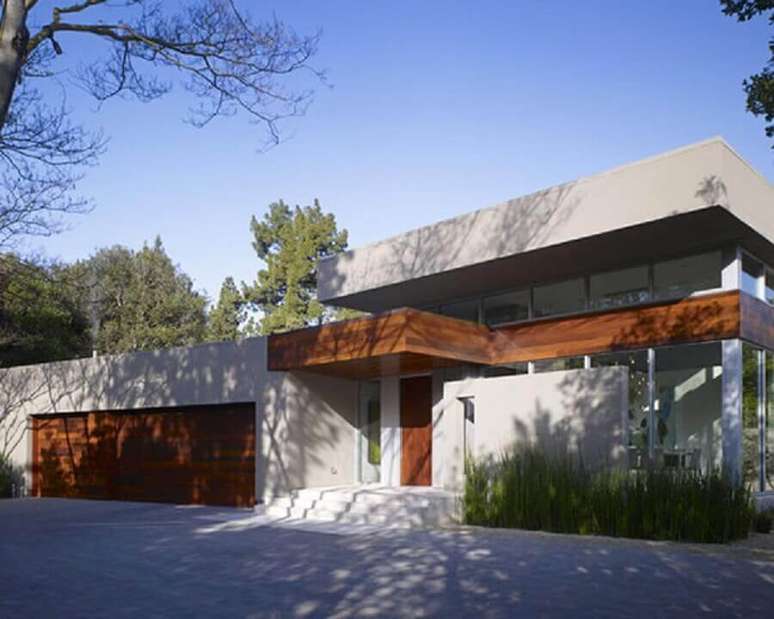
530 490
10 479
763 521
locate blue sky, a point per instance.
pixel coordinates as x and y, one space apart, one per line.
435 109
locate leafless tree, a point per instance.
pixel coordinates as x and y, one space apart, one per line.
228 63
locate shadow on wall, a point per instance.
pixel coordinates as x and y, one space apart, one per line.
587 421
187 456
487 234
209 374
306 428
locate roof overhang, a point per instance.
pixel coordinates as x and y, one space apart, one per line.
408 341
699 197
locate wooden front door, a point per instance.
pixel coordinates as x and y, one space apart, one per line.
416 405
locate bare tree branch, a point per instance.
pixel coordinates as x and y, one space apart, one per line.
228 63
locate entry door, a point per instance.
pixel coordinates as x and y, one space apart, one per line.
416 405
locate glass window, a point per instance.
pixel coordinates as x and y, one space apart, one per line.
562 298
681 277
769 292
688 403
752 270
637 364
464 310
509 307
556 365
624 287
507 369
370 431
751 399
769 421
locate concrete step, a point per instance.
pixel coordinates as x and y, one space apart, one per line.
368 504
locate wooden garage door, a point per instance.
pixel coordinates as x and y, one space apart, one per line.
203 455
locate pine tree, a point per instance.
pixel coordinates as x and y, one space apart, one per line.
291 242
226 317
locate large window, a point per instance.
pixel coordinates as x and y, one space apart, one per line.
624 287
464 310
769 380
688 402
508 369
769 292
752 274
508 307
557 365
637 364
681 277
561 298
752 400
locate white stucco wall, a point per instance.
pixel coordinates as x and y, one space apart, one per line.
304 423
579 410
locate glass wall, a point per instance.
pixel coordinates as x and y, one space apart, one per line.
508 369
505 308
751 403
687 406
370 424
752 272
769 289
560 298
769 443
681 277
557 365
464 310
637 364
617 288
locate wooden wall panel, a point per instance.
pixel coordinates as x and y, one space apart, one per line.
194 455
695 319
406 341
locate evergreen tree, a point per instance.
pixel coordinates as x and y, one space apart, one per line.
291 242
225 318
759 87
139 300
40 319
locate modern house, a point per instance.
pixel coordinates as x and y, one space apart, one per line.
628 316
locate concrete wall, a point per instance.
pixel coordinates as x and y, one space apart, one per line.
305 423
584 411
683 181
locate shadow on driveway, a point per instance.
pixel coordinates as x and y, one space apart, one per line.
68 558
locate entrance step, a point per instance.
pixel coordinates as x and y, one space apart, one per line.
403 507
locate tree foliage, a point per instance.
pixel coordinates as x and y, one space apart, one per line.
291 242
139 300
759 87
225 318
228 63
40 319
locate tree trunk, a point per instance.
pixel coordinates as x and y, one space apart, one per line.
13 47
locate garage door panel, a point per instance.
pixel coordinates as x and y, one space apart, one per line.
184 455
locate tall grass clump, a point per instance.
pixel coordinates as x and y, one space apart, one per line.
531 490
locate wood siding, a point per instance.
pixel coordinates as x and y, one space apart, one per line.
410 341
695 319
416 412
196 455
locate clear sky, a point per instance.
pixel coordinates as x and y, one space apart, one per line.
436 109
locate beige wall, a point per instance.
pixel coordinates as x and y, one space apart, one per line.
305 423
581 410
682 181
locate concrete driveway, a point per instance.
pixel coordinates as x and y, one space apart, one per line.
66 558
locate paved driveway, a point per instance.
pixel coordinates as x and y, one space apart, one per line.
61 558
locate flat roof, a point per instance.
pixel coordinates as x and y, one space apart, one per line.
688 199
